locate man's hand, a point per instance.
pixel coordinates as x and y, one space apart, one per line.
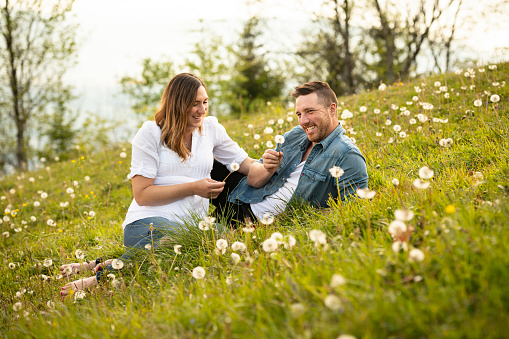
260 173
271 160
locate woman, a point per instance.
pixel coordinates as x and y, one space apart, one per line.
172 158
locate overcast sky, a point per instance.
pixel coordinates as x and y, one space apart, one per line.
115 35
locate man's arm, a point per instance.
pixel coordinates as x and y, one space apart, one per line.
260 173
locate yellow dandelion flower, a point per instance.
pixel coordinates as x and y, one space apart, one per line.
450 209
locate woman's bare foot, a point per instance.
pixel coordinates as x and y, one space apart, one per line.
78 285
69 269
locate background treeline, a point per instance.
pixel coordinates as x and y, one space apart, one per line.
353 45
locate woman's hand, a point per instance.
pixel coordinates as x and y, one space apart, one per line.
208 188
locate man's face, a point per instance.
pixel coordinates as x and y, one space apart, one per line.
315 119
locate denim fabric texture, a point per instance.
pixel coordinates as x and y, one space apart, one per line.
140 233
316 184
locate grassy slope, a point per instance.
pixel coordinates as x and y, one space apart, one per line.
458 290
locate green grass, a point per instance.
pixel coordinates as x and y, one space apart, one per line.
459 290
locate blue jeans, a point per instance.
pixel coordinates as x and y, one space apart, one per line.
141 232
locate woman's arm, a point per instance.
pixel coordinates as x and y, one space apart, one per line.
146 194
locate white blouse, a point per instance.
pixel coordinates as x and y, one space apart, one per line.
154 160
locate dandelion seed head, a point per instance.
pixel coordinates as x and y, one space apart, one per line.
79 295
290 242
363 109
395 182
267 219
337 280
47 262
425 172
297 309
117 264
397 228
365 193
397 128
382 87
221 244
280 139
336 172
318 237
234 166
403 215
270 245
415 254
421 184
12 265
177 248
79 254
198 272
376 111
477 103
235 258
17 306
148 247
332 302
494 98
203 225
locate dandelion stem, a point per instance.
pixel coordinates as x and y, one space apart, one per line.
227 176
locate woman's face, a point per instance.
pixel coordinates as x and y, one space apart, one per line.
199 110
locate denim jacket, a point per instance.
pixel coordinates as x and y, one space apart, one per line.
316 184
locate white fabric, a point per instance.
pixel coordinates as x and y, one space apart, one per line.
153 160
276 203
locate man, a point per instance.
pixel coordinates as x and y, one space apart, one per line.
300 171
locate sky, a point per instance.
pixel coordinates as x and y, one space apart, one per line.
116 35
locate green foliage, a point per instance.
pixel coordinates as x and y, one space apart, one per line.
145 92
253 81
460 222
210 61
37 45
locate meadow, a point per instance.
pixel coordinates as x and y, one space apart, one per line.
424 254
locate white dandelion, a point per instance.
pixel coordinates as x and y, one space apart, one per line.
270 245
415 254
336 172
117 264
426 173
318 237
332 302
403 215
235 258
177 248
198 272
421 184
238 246
365 193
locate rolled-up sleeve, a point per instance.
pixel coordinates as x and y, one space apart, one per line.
145 156
226 151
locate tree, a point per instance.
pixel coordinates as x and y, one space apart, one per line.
211 61
253 78
329 54
401 35
37 45
145 92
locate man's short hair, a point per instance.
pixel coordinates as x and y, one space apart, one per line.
322 89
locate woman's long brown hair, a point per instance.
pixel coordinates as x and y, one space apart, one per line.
178 98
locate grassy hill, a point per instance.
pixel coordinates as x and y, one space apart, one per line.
443 273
